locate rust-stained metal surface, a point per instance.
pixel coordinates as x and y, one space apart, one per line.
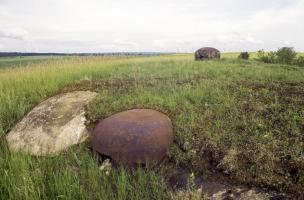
134 137
207 53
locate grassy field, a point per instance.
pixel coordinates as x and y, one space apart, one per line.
6 62
241 119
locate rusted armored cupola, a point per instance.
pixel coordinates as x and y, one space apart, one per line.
207 53
134 137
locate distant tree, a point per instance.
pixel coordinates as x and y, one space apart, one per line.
286 55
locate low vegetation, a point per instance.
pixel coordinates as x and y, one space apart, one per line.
241 119
285 55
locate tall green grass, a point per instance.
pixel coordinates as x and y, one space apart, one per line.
241 117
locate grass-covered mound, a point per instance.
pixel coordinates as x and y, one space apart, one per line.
243 119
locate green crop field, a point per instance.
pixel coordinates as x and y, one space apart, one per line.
242 119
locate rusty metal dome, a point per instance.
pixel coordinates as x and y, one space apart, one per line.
133 137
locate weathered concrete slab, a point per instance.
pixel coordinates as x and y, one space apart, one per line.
52 126
207 53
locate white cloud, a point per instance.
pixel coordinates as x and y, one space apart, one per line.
120 42
15 33
159 42
237 38
159 25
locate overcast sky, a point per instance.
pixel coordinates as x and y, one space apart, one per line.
150 25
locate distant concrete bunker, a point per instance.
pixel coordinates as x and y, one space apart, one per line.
133 138
207 53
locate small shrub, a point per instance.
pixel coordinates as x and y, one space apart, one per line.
262 56
244 55
299 61
286 55
267 58
272 57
